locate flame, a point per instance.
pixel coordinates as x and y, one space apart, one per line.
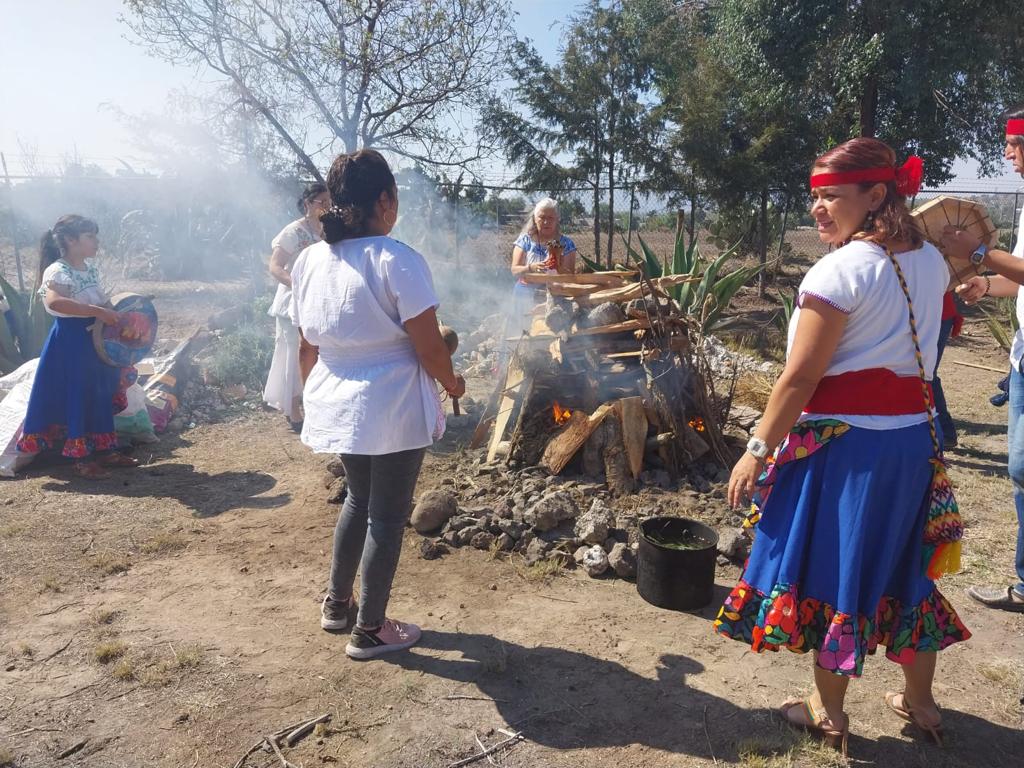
560 414
698 424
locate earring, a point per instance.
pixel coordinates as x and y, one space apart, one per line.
869 222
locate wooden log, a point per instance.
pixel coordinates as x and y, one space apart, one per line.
634 432
514 379
616 466
563 446
583 278
625 325
635 290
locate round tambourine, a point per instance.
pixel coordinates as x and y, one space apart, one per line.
131 339
968 215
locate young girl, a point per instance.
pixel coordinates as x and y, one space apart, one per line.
74 394
287 373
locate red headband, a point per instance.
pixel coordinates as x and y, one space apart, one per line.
1015 127
908 178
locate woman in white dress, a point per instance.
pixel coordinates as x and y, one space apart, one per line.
284 382
368 302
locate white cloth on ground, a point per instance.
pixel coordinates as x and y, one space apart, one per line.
368 393
858 279
284 381
294 238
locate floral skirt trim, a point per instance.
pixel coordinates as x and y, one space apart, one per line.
73 448
785 620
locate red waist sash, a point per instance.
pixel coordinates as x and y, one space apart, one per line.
871 392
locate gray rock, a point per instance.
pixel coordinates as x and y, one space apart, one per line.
623 561
723 560
459 522
594 524
451 538
511 528
433 509
466 535
503 509
578 555
536 551
595 561
431 550
605 314
336 467
482 540
505 543
610 542
551 510
732 543
337 491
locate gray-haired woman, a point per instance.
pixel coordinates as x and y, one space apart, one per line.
540 248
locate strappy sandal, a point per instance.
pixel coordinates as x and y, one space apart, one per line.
906 711
116 459
90 470
821 727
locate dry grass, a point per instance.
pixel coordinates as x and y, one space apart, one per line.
164 672
124 670
540 572
753 389
50 584
189 657
6 758
102 616
109 650
787 751
109 563
25 650
164 543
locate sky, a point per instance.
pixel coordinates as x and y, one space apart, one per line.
64 64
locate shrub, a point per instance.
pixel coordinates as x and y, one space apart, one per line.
242 357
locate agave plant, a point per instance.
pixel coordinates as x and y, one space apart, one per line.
788 301
1005 315
24 326
704 299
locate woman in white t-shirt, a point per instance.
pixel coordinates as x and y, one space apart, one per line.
1009 281
285 379
368 302
840 561
74 394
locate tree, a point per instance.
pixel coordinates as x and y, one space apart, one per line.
324 74
586 120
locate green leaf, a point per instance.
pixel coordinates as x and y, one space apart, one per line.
591 266
650 261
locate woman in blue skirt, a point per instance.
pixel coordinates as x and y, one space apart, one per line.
74 394
854 516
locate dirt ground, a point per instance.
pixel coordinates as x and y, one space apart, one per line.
169 617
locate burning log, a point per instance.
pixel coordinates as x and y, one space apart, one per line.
563 446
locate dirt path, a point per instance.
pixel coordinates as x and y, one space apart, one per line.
197 580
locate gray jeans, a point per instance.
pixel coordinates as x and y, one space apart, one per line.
379 503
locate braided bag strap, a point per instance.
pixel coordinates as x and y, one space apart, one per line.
925 391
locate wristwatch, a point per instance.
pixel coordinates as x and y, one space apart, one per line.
979 255
757 448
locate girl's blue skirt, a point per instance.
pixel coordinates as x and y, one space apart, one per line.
74 395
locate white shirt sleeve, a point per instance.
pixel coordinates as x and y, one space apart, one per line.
840 279
288 239
408 282
1018 248
55 275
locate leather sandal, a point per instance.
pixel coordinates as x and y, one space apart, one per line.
116 459
897 702
800 713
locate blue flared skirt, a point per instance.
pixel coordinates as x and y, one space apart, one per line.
837 564
74 395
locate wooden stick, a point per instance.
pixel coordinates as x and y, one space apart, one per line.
481 745
979 367
459 696
305 728
707 736
517 737
59 650
277 751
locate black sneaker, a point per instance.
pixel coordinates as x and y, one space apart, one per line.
336 616
390 636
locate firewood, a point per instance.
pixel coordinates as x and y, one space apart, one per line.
514 378
634 432
616 465
635 290
563 446
583 278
